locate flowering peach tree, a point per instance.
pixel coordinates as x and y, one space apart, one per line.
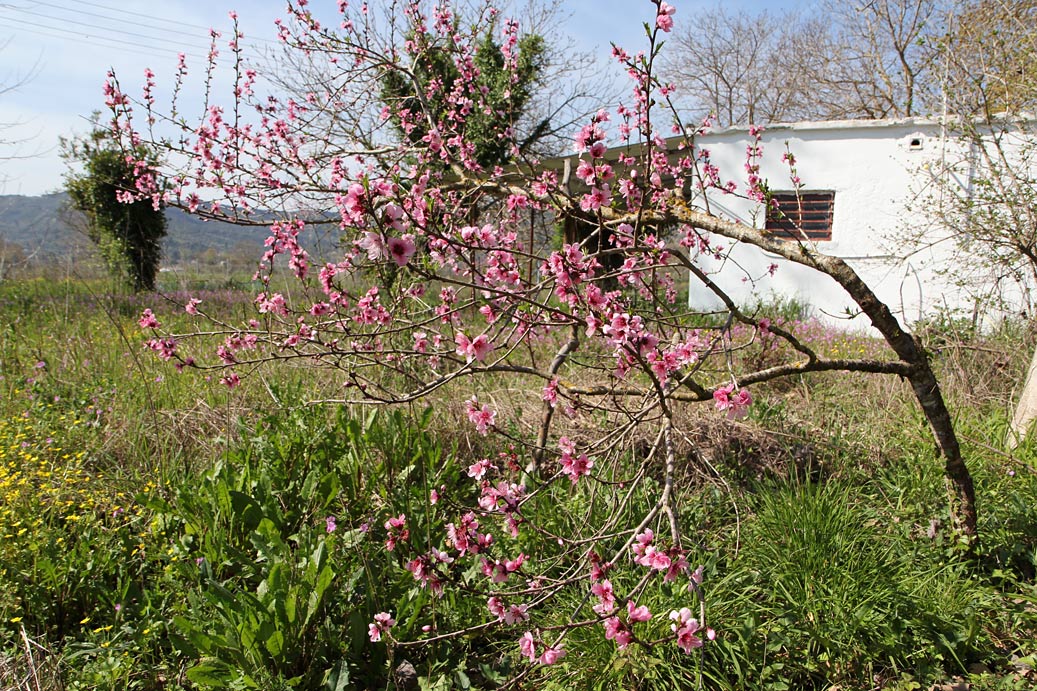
442 281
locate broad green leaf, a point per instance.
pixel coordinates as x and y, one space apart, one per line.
275 644
211 673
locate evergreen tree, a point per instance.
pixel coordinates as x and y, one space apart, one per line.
126 226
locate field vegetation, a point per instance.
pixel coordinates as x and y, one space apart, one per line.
159 530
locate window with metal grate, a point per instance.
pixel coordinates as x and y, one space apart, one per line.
801 215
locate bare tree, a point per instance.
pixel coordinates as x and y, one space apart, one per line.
831 61
10 141
730 65
984 200
989 58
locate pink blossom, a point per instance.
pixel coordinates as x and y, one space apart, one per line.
585 171
272 304
550 392
641 543
401 249
598 197
737 405
475 349
664 20
482 417
576 466
616 630
465 536
552 655
512 614
383 621
496 607
685 627
527 646
148 320
498 571
481 347
423 568
598 567
637 613
330 524
607 599
480 468
192 306
678 564
165 347
516 614
395 216
647 554
373 244
397 529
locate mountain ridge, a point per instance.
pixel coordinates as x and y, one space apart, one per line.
45 226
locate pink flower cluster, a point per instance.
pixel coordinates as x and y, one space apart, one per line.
528 646
397 531
473 349
573 465
672 560
509 614
736 405
606 597
482 417
148 320
498 571
425 569
620 631
383 621
465 537
664 19
504 497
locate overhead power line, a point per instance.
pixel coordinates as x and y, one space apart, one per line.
193 31
119 35
107 41
104 42
151 17
53 23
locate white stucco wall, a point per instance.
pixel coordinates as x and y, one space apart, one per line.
879 184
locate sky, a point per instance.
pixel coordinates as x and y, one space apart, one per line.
54 55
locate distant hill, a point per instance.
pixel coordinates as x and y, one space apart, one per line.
46 227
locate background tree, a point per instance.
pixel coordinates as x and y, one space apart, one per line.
127 229
750 68
12 258
831 61
982 197
10 140
506 93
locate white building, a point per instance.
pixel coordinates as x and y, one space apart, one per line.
866 189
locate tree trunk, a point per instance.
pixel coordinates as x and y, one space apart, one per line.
923 380
1025 408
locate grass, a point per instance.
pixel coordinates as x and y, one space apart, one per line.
159 531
